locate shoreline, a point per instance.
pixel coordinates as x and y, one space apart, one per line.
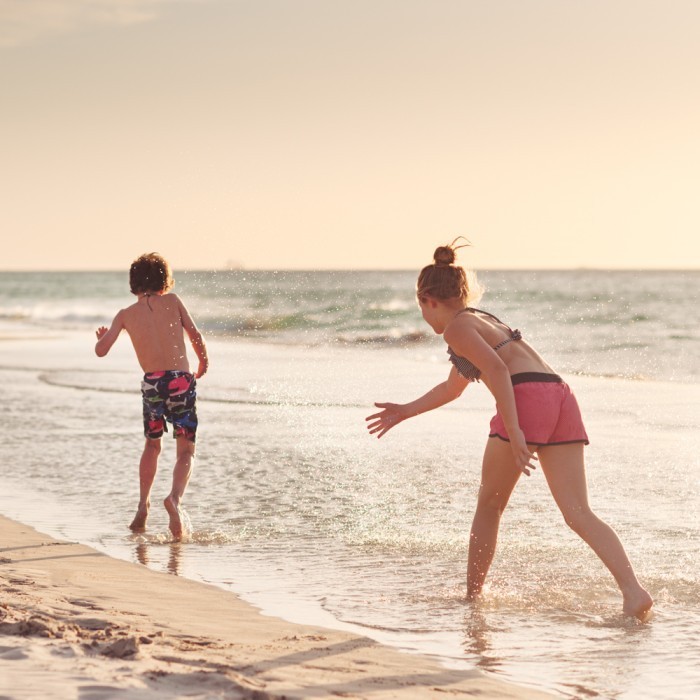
73 619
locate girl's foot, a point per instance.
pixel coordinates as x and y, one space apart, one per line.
638 605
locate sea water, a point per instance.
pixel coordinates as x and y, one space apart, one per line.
298 510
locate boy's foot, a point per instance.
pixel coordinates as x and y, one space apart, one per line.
638 606
175 525
138 524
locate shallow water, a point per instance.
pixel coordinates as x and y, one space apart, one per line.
295 508
298 510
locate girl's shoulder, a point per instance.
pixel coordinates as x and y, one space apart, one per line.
468 318
464 323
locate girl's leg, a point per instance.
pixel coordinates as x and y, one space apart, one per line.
563 467
499 475
181 477
148 466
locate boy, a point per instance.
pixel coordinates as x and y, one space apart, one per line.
156 324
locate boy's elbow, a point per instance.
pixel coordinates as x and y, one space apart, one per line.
196 338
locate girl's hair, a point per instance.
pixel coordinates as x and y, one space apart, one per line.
150 273
445 280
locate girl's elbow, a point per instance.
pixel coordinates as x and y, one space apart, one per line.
457 392
497 369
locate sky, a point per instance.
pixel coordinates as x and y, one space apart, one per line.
317 134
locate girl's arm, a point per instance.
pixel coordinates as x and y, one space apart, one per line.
394 413
466 341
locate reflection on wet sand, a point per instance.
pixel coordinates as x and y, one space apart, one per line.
174 558
477 640
142 553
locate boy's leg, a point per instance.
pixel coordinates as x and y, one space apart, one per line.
181 477
148 466
499 475
563 467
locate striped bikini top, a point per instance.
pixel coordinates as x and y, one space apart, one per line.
468 369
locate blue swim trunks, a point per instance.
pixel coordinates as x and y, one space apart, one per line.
172 396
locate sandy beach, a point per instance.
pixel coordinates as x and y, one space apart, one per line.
77 623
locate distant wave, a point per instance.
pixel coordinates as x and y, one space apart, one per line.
50 315
14 315
407 338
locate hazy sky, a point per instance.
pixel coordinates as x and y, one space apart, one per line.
349 133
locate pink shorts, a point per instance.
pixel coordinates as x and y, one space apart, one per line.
548 412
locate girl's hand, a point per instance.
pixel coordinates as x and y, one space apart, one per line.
100 332
521 453
385 420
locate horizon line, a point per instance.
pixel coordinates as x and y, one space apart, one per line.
582 268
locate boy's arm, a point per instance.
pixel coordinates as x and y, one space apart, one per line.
198 344
392 413
106 338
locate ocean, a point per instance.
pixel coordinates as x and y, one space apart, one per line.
295 508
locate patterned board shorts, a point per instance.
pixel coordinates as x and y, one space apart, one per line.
548 412
170 395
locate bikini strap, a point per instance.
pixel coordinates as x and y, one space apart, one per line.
514 334
486 313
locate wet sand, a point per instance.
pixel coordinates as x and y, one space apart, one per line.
77 623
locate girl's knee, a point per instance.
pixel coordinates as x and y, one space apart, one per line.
494 502
579 519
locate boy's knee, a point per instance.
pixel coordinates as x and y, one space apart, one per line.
153 445
185 446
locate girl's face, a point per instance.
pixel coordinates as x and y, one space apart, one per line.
430 309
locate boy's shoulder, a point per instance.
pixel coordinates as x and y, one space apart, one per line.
170 296
127 310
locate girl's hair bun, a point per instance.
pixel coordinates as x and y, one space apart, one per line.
445 280
444 255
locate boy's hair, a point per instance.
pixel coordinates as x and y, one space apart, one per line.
444 280
150 273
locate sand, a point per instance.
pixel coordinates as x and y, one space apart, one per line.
75 623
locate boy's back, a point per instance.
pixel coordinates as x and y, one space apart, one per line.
156 327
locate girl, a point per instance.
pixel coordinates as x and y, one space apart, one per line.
536 413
